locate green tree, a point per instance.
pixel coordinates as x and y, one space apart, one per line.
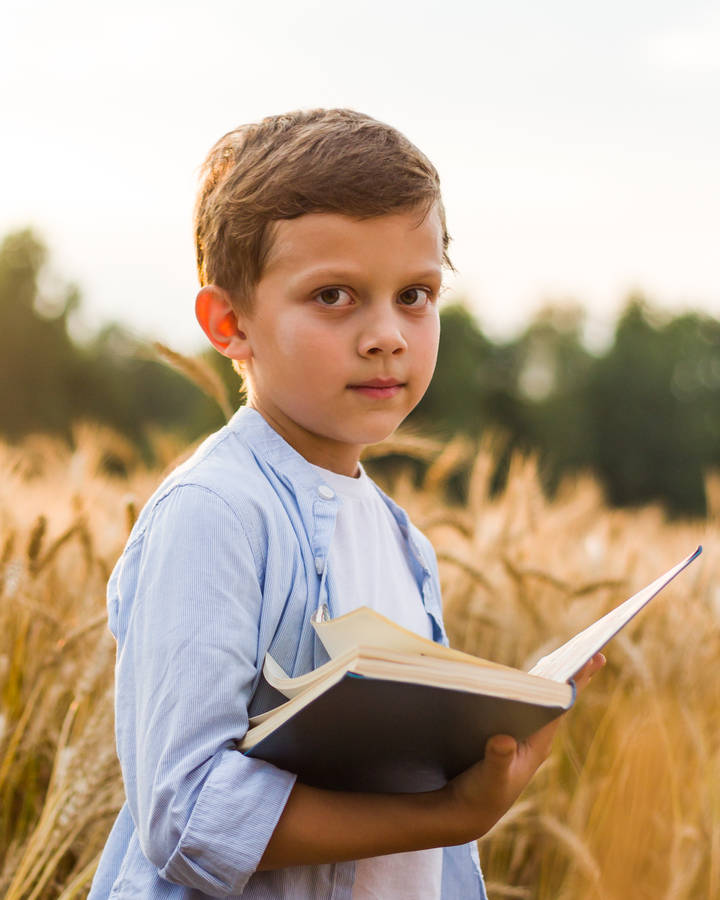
554 368
653 401
40 370
48 381
474 382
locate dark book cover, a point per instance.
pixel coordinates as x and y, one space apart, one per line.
368 734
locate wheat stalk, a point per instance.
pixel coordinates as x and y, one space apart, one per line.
199 372
627 806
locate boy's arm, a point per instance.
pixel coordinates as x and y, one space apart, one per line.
186 604
319 826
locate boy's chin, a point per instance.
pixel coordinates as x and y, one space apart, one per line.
374 435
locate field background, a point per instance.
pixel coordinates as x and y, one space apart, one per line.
580 334
627 806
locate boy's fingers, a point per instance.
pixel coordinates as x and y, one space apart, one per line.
588 670
540 744
500 751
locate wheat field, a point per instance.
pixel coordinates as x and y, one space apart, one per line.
628 805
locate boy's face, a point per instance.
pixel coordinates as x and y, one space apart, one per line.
342 338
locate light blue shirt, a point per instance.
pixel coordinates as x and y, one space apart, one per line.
227 562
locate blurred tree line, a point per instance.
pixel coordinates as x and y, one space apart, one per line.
644 415
48 380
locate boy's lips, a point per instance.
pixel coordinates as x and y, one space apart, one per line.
378 387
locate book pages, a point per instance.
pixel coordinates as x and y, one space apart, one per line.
563 663
366 627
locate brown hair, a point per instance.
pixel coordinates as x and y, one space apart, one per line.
320 160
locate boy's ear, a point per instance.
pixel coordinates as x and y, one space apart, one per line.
220 322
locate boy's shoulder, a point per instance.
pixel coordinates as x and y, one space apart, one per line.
247 467
248 477
223 465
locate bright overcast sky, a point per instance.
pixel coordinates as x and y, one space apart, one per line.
578 144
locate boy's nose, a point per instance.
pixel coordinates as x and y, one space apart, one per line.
382 335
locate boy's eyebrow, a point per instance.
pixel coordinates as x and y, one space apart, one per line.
329 274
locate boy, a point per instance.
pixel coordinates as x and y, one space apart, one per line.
321 239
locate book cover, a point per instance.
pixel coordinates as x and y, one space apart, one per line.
394 712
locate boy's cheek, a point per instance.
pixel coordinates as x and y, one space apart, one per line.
295 339
433 346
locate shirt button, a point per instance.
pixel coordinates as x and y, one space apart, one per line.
327 493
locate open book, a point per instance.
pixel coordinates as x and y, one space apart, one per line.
392 711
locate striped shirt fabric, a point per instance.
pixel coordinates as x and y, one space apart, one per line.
226 562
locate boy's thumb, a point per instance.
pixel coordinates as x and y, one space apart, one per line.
500 751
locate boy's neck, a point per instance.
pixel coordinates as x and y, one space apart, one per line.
336 456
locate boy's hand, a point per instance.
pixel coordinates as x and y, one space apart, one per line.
320 826
484 793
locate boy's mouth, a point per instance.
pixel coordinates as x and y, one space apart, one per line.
378 387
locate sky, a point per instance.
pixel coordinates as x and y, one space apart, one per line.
578 144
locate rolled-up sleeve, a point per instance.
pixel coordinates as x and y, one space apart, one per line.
188 603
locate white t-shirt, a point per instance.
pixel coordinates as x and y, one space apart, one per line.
370 566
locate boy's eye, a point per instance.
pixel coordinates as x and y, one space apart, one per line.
333 297
415 297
